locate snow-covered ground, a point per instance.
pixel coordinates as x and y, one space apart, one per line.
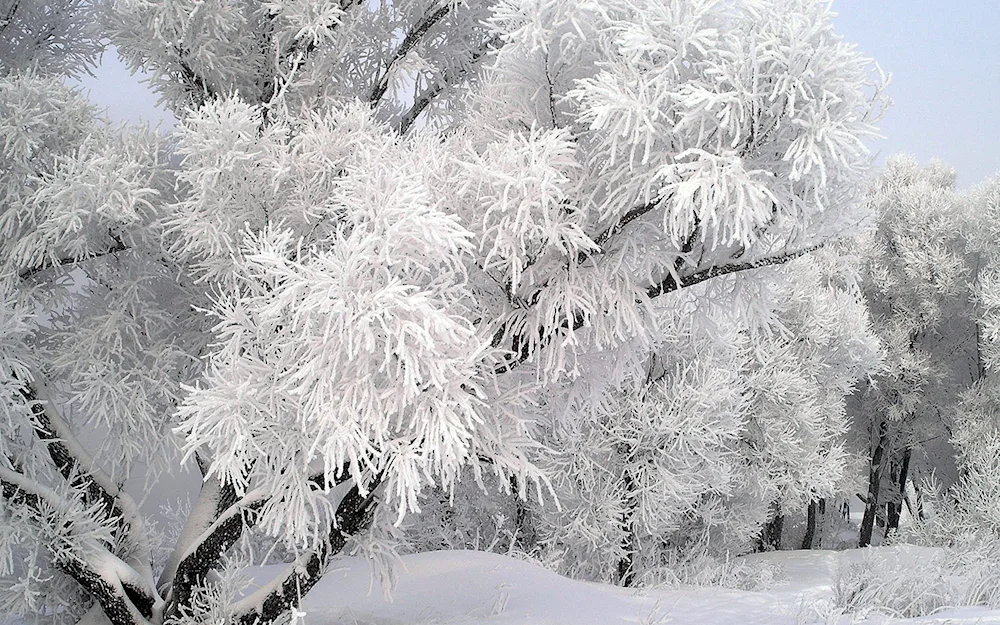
464 587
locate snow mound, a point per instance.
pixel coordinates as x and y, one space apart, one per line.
465 587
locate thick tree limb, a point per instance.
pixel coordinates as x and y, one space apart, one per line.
117 603
207 551
78 468
121 591
354 515
204 540
199 553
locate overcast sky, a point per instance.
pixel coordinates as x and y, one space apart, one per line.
944 57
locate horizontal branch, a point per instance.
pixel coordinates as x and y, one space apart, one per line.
521 350
626 219
672 283
27 274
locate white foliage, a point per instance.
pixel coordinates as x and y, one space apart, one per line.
373 266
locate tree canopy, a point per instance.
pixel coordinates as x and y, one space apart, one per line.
394 247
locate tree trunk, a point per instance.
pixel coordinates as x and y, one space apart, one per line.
807 540
626 565
895 508
770 534
525 535
874 484
917 505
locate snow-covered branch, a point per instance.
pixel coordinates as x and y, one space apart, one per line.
27 274
354 516
670 283
452 78
125 594
410 41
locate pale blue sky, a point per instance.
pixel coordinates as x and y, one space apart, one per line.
944 56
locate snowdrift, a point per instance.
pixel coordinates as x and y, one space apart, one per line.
464 587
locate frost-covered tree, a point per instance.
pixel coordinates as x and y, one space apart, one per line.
916 282
731 424
395 245
54 37
580 420
976 435
967 516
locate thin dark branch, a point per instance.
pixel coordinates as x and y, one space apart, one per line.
9 18
424 99
193 81
409 42
670 283
521 345
117 248
628 218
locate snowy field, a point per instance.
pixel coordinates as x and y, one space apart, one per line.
465 587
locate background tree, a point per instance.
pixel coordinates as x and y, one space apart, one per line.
731 424
636 135
916 279
976 435
375 268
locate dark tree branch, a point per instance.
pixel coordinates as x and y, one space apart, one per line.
626 219
409 42
193 569
118 247
354 515
67 463
424 99
232 519
94 487
195 84
671 284
520 345
123 602
9 18
209 541
123 605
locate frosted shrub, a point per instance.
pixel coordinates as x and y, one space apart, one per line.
892 580
911 581
705 571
